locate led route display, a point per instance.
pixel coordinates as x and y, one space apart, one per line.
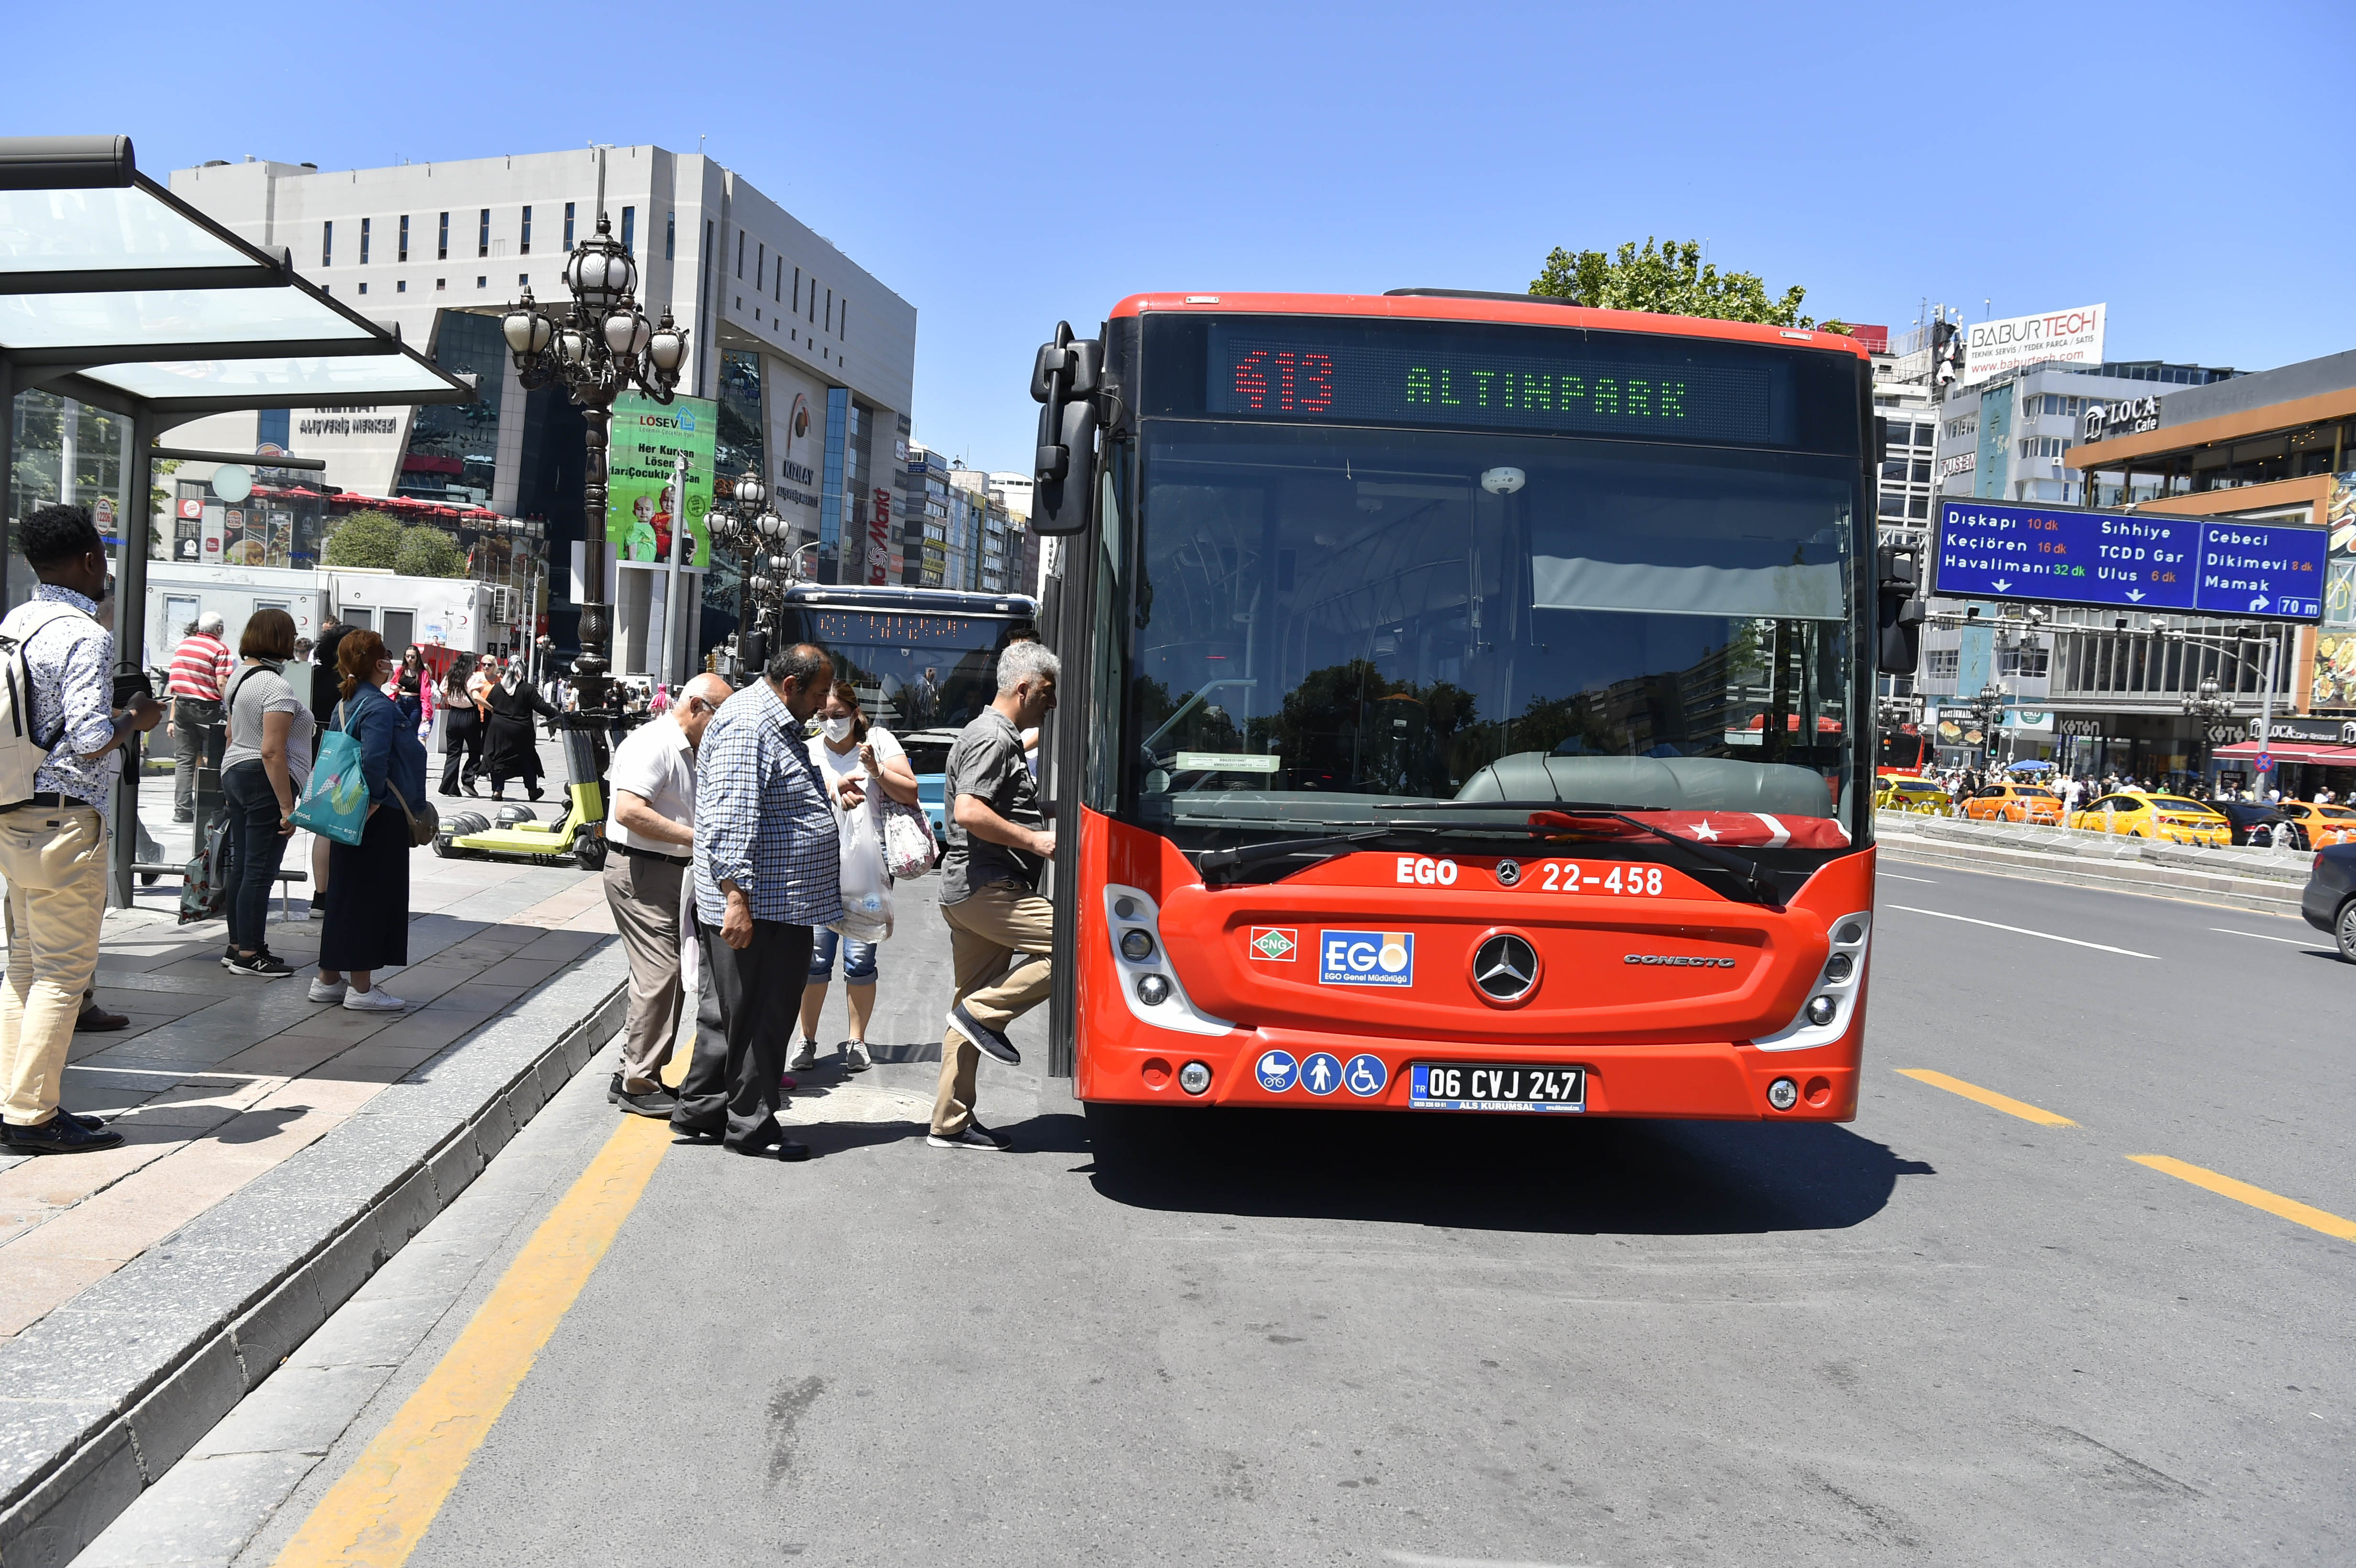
2129 561
1705 395
868 628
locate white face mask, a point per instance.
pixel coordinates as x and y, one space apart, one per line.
835 729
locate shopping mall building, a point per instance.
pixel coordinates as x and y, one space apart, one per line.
808 356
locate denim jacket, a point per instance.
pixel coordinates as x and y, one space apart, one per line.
390 749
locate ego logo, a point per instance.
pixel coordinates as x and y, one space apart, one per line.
1423 871
1365 958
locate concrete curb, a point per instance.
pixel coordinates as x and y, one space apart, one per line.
101 1396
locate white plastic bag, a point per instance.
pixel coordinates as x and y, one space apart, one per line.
866 888
908 839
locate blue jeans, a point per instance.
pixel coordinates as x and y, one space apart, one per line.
253 812
858 958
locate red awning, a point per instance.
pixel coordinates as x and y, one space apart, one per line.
2318 752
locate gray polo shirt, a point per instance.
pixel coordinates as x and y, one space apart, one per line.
986 761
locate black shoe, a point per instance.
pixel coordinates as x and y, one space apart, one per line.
228 956
61 1134
536 792
263 965
776 1144
613 1090
702 1132
983 1035
94 1019
184 816
451 793
657 1102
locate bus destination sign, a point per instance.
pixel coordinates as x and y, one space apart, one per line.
1367 379
2129 561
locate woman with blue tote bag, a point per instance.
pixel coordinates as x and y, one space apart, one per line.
367 926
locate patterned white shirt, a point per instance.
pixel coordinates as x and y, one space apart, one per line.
71 661
762 817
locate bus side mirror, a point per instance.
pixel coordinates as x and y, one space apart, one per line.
1065 380
1899 618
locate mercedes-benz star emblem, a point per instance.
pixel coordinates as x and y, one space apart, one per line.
1508 872
1505 968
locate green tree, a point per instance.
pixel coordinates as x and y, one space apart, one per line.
364 539
1670 278
429 552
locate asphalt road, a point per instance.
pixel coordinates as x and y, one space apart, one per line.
1945 1334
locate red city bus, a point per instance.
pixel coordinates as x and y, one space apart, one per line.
1904 751
1466 706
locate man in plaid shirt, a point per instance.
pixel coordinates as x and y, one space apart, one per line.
201 664
768 869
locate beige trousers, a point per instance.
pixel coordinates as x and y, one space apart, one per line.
55 860
644 896
988 928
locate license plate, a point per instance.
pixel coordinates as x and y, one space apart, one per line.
1488 1086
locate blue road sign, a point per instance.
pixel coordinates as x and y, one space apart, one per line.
2265 763
1277 1071
1364 1075
1321 1073
2129 560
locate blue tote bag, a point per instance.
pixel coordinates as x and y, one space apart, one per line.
336 797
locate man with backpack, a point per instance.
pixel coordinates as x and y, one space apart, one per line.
54 778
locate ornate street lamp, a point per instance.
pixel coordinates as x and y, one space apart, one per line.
742 531
598 348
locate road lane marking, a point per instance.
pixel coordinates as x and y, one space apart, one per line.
1926 881
379 1510
2261 936
2004 1102
2274 1203
2024 931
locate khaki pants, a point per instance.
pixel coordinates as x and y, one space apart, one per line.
644 896
986 929
55 860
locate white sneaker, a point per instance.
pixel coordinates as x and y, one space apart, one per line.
376 1002
855 1057
805 1057
975 1137
322 992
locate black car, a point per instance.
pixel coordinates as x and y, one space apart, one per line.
2329 902
2260 824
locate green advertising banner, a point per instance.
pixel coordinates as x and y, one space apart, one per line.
647 438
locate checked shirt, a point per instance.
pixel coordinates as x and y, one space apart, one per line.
762 817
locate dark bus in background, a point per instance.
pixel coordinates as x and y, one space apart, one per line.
923 660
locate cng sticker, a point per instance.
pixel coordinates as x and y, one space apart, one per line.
1365 958
1276 944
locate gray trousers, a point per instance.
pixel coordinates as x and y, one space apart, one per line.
196 716
644 896
751 999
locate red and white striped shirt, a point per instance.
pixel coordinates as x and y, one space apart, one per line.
200 665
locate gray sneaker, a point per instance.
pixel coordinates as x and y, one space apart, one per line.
975 1135
805 1057
854 1056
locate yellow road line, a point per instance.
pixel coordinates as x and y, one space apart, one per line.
2274 1203
2004 1102
380 1509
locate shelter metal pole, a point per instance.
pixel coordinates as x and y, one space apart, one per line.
7 472
130 645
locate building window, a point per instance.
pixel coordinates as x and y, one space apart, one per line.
442 246
482 283
523 280
830 310
1942 663
363 288
1893 505
400 287
328 243
740 255
1918 506
797 290
441 284
404 254
482 234
568 226
365 223
629 231
843 323
760 267
670 236
523 238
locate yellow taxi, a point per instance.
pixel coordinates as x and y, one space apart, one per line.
2169 818
2015 803
1899 792
2320 825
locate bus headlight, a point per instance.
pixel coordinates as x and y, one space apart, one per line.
1824 1017
1783 1094
1152 990
1194 1078
1136 945
1821 1009
1149 983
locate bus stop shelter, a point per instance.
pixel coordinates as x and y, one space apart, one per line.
118 295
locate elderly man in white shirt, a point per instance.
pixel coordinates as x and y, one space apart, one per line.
649 844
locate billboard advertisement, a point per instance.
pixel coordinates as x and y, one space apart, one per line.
2073 336
2130 560
2335 643
640 510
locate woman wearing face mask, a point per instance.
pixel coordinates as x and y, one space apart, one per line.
848 746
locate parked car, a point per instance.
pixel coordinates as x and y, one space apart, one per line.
2261 825
1898 792
2168 818
2015 803
2329 902
2320 827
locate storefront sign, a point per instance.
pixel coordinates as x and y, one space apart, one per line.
640 510
2128 416
2129 561
2328 731
2335 651
2070 337
879 538
1960 462
2084 728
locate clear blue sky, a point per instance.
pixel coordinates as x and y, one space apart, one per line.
1003 166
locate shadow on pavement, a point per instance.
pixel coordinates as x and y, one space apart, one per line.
1607 1176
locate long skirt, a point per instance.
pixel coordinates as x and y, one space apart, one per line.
367 924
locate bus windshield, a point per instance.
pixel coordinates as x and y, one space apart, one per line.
1330 619
913 671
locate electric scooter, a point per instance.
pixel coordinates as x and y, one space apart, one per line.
579 837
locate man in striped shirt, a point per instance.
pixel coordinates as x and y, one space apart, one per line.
199 666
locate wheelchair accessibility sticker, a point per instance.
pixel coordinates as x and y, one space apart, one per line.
1365 958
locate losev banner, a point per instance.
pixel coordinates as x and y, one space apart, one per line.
640 510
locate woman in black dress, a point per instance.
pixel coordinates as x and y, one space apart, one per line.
367 927
509 748
462 730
